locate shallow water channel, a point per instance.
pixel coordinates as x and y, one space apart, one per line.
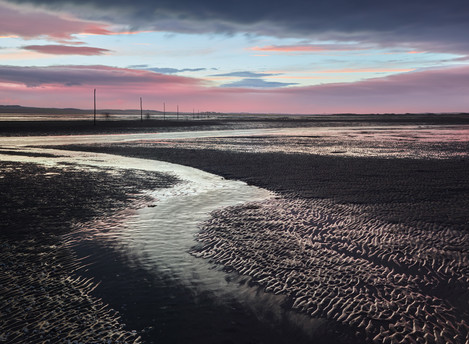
142 259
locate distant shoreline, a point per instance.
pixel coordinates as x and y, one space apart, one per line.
25 110
57 125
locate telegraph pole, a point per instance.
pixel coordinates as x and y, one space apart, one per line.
141 110
164 111
94 117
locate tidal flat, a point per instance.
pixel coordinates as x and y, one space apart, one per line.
365 239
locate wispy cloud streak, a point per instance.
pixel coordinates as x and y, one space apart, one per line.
66 50
308 48
245 74
257 83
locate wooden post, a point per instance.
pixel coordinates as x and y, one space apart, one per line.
164 111
177 116
141 110
94 117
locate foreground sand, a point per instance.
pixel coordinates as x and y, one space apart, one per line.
380 246
43 298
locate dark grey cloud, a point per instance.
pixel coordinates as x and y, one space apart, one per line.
431 24
257 83
30 23
245 74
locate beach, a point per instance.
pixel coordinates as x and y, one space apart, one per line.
367 233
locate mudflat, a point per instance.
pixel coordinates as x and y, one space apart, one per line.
368 231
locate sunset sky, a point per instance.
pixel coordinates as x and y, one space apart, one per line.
263 56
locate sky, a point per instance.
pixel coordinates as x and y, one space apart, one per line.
258 56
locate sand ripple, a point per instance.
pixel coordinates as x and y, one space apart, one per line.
392 283
43 301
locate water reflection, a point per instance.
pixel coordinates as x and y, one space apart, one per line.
157 239
433 133
415 142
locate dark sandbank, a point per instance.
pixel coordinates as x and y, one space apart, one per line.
187 122
79 127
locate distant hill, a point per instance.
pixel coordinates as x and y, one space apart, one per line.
37 110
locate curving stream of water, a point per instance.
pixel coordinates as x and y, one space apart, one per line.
158 238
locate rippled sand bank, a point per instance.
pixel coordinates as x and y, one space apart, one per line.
42 296
390 282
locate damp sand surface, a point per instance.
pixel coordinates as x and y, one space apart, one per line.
333 247
375 244
44 296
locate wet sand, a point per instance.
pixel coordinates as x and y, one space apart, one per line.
44 296
375 246
378 246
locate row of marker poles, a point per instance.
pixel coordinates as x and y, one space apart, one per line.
141 110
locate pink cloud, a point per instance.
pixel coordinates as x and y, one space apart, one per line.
442 90
66 50
434 90
28 23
